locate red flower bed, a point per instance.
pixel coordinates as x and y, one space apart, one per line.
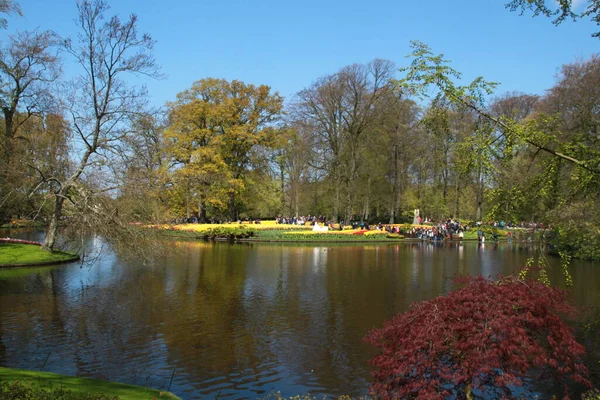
20 241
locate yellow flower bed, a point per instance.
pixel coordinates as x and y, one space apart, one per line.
203 227
333 232
272 225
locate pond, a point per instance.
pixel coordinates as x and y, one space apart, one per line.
236 320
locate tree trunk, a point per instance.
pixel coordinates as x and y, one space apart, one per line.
296 201
336 204
349 200
52 230
202 210
456 199
232 210
367 201
6 146
479 193
187 200
282 184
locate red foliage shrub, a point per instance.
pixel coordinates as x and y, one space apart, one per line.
480 340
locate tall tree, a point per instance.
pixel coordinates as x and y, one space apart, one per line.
143 169
341 108
398 127
100 103
570 117
512 161
292 160
28 65
215 129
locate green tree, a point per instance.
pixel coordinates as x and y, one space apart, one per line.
564 10
216 129
562 135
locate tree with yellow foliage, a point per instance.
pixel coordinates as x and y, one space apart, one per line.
216 129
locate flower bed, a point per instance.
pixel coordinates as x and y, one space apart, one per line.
204 227
20 241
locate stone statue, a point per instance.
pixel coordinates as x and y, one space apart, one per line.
416 218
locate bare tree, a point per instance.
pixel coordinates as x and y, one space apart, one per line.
8 7
27 66
100 104
340 108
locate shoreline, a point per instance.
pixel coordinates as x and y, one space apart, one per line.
45 258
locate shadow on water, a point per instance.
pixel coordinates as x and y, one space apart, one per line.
237 320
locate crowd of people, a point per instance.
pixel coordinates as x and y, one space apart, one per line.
448 229
303 220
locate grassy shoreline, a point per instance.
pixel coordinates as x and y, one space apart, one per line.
79 385
23 255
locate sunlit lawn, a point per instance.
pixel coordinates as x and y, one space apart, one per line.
18 253
83 385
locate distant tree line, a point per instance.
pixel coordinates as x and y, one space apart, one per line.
369 142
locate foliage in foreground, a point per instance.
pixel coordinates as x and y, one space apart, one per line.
480 340
18 390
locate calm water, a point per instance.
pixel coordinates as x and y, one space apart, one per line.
235 321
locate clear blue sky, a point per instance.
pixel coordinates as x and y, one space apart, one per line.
289 44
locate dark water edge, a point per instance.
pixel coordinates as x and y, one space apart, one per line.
237 320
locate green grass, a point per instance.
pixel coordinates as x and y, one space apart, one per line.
83 385
323 237
24 254
471 234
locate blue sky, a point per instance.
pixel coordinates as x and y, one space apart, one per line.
288 45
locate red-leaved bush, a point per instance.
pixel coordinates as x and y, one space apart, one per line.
479 341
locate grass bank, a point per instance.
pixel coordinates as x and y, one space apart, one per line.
19 254
77 385
335 236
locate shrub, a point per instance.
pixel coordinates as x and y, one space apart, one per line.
577 240
375 233
231 233
394 236
478 341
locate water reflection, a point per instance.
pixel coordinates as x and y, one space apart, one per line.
235 320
